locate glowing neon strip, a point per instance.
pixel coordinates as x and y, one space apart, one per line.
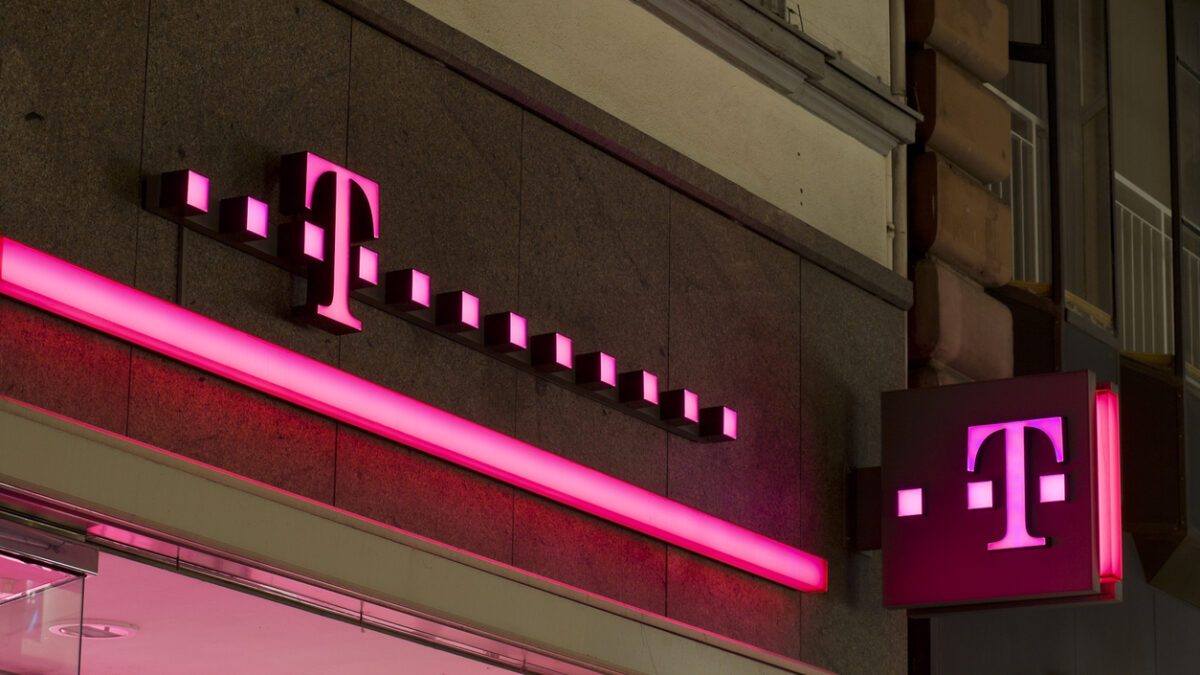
60 287
1108 484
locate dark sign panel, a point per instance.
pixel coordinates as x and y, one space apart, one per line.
1000 491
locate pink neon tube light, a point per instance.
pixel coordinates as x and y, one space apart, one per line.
60 287
1108 480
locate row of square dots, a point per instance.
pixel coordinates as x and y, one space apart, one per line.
185 193
981 495
505 332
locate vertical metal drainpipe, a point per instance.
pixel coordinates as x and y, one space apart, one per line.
899 154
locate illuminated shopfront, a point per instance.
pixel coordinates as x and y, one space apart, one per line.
334 341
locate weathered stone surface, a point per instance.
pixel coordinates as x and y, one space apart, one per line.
417 492
972 32
230 88
735 341
933 374
431 368
574 548
201 416
851 349
56 364
594 249
561 421
239 290
71 88
1176 625
446 154
729 602
959 221
963 121
954 321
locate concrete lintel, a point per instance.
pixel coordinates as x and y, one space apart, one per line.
783 58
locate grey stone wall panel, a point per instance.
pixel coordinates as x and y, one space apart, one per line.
230 89
735 341
225 284
849 353
71 87
446 154
233 86
431 368
593 249
563 422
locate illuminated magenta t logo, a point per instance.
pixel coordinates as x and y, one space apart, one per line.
1016 534
341 210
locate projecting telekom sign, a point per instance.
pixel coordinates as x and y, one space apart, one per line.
1003 491
338 211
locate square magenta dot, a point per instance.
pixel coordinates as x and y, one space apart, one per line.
256 217
368 266
909 502
980 494
608 369
729 421
470 310
420 288
197 191
562 350
649 387
518 334
1053 488
691 406
314 241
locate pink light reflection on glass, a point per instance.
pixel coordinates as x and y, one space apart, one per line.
910 502
1052 488
197 191
256 217
1108 480
980 494
55 285
368 266
314 241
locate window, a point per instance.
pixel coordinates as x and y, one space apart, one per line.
1059 190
